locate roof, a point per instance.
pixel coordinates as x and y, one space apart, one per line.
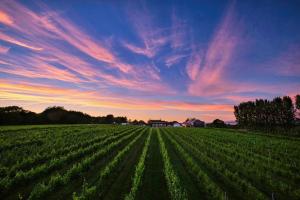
156 121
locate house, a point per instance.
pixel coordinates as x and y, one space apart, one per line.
232 123
193 122
157 123
175 124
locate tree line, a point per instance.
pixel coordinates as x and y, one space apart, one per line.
12 115
263 113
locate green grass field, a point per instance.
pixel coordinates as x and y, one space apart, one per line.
131 162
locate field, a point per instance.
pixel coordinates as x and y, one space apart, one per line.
131 162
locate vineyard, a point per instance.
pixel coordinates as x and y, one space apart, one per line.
134 162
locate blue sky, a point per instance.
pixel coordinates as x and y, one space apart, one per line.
148 59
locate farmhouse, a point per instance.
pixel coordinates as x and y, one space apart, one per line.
194 123
174 124
157 123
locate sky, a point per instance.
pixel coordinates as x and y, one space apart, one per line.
145 60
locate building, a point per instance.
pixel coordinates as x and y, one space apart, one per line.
157 123
174 124
194 123
177 125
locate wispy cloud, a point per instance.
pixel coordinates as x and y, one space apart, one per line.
35 68
48 32
152 36
12 40
138 50
194 64
179 33
51 25
48 94
5 19
209 77
174 59
3 49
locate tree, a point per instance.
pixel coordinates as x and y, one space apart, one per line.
288 110
109 119
55 114
218 123
16 115
266 114
298 101
52 115
297 105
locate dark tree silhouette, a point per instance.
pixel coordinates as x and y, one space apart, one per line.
279 112
297 101
218 123
52 115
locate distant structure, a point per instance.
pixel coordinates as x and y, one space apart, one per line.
175 124
193 122
157 123
233 123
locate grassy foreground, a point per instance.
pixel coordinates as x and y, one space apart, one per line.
130 162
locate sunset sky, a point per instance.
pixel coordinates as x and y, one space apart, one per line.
148 59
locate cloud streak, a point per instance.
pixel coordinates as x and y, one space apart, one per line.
5 19
14 41
46 94
208 73
47 33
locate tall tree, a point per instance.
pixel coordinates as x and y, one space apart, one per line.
288 110
298 101
265 113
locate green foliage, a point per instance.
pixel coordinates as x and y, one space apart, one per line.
175 188
279 112
44 162
107 171
139 170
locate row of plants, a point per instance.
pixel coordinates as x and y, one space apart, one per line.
266 165
22 178
41 190
284 149
43 143
232 180
249 169
94 191
32 161
139 170
176 190
212 190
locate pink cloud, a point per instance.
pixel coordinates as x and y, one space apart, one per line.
51 25
174 59
12 40
138 50
4 50
46 94
210 76
178 32
194 64
36 68
151 35
5 18
46 30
